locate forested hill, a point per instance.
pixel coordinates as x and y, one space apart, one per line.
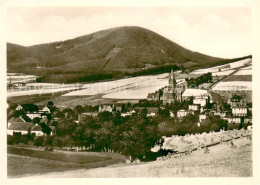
109 52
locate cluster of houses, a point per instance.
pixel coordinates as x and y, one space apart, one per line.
177 91
19 125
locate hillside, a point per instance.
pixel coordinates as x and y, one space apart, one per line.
123 49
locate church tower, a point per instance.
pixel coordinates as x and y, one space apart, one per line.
172 82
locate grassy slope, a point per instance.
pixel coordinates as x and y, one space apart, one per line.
122 48
30 161
222 161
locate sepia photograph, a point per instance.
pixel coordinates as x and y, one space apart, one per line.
129 91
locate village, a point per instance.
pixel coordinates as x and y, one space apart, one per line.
175 103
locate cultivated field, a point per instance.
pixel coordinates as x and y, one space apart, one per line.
130 88
221 161
222 68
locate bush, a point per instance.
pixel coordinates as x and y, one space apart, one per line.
38 141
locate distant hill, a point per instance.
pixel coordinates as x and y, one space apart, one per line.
112 51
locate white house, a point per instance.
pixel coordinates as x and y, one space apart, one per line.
182 113
194 107
239 111
15 120
200 100
233 119
19 107
19 127
103 108
152 114
46 110
34 115
202 117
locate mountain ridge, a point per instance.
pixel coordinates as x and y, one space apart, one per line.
123 49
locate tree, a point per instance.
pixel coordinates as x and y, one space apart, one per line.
38 141
30 107
50 103
36 120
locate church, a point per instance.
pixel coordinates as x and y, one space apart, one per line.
174 90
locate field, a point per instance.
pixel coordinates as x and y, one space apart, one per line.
221 161
226 67
130 88
41 88
23 161
239 82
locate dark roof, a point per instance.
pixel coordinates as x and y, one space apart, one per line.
14 119
36 128
23 126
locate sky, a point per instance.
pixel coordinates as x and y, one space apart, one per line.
217 31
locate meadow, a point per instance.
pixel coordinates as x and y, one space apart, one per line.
221 161
22 161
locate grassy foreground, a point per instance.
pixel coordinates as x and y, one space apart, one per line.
23 162
222 161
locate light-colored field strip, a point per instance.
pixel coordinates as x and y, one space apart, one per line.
244 72
233 86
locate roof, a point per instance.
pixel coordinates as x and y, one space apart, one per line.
43 120
194 92
14 119
23 126
36 128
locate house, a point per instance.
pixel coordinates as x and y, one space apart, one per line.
248 120
153 96
129 113
194 107
202 117
46 110
239 111
19 107
182 113
171 114
201 100
37 130
195 93
34 115
44 120
237 101
14 120
231 119
19 127
103 108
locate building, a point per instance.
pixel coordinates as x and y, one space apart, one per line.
19 127
103 108
201 100
153 96
37 130
231 119
33 115
182 113
219 113
237 101
194 107
194 93
19 107
239 111
15 120
202 117
46 110
174 90
248 120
